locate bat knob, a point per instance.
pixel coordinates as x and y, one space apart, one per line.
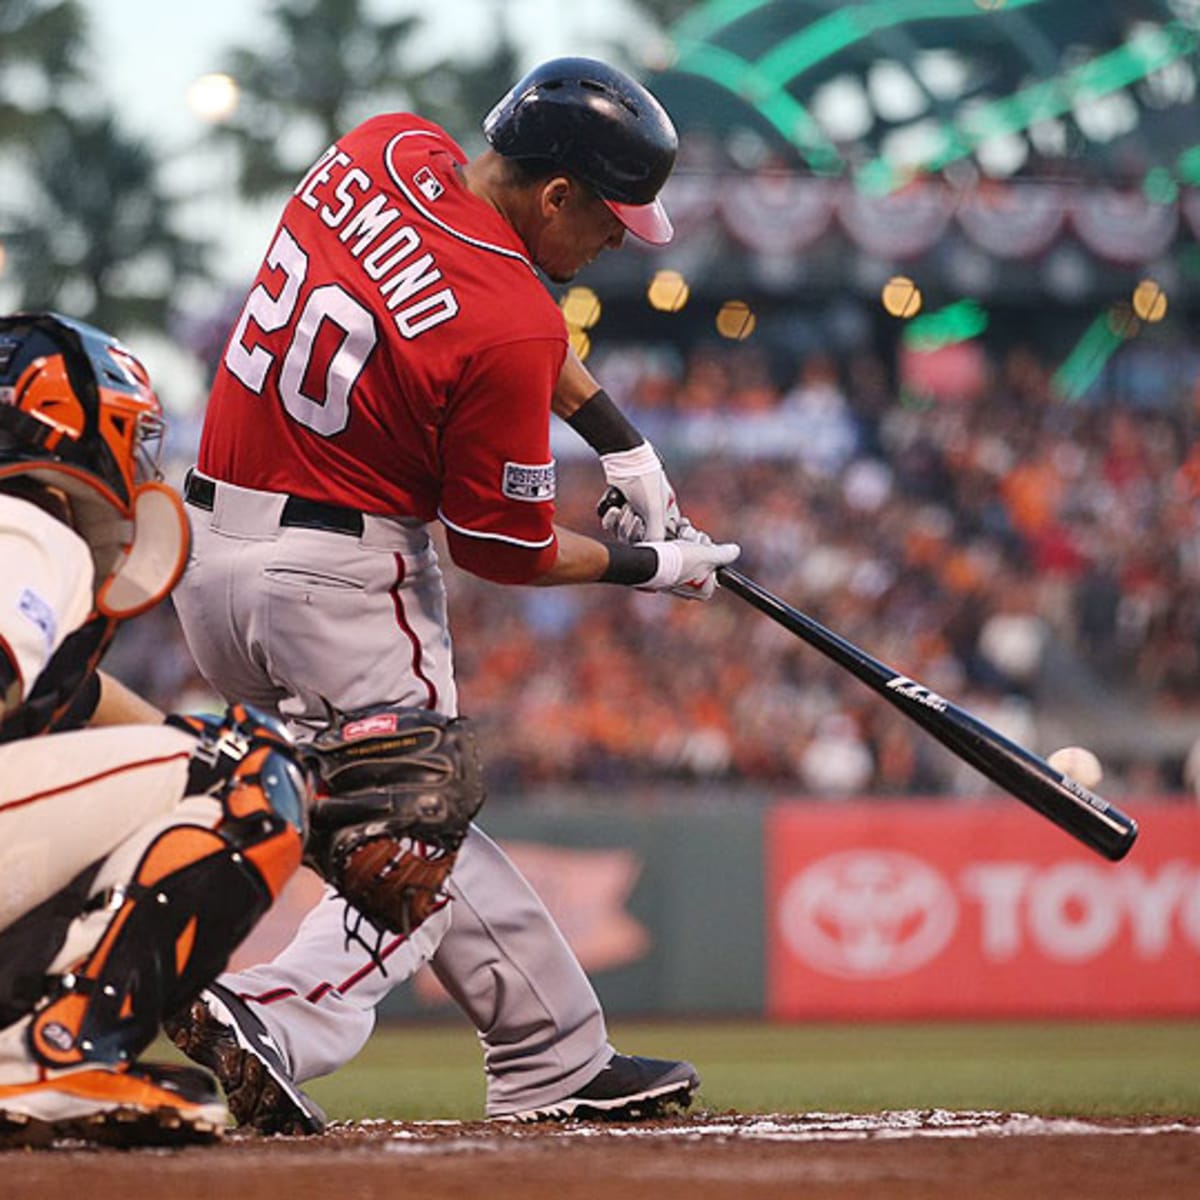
613 498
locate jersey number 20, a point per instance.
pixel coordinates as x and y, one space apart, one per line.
329 412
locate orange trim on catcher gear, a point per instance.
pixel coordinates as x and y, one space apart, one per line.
277 858
246 799
44 391
180 847
148 550
69 1010
109 1082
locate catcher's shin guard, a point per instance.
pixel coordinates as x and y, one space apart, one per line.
195 894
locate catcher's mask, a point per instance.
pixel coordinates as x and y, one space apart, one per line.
78 414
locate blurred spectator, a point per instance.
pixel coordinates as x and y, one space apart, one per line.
1007 548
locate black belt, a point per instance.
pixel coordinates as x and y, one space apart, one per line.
297 511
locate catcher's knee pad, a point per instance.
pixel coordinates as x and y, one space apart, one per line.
194 896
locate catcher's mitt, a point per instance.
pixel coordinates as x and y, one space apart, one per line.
398 788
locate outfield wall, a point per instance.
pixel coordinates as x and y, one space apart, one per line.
875 909
925 911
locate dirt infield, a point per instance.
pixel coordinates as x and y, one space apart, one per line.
885 1156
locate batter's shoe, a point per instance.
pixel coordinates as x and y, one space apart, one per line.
138 1104
627 1089
222 1032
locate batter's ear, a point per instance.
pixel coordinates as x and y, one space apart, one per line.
555 194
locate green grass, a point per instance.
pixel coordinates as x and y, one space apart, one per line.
416 1071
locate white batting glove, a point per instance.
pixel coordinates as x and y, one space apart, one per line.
687 565
650 512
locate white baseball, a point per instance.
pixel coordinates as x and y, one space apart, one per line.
1082 765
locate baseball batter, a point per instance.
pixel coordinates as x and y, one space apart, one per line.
396 363
134 857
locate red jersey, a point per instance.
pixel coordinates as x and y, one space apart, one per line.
397 354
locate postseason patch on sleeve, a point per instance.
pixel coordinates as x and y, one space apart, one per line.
534 483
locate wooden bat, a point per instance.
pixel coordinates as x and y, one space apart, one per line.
1072 807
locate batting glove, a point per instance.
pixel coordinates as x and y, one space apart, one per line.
649 512
687 565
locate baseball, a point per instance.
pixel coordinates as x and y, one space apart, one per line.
1082 765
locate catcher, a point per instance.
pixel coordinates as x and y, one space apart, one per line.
136 853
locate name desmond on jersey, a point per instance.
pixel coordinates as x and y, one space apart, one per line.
346 199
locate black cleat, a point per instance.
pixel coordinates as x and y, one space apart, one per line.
629 1088
222 1032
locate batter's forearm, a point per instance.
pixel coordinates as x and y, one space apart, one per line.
589 410
581 559
576 385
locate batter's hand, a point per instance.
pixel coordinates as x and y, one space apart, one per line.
687 565
649 512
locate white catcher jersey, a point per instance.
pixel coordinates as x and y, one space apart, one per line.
45 585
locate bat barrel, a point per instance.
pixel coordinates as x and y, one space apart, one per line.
1073 808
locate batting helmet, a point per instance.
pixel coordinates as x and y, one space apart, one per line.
599 125
78 413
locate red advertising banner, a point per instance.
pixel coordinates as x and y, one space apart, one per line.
927 910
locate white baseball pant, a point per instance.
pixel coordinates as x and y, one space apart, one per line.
69 800
287 618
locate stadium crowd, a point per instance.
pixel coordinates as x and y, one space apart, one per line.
1019 553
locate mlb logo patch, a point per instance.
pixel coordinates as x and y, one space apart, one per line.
428 184
523 481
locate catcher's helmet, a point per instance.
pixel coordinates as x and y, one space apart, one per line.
599 125
74 397
78 413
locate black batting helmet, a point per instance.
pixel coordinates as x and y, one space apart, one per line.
599 125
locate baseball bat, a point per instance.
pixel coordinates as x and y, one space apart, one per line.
1085 816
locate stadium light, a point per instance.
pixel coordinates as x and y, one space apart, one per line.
736 320
668 291
901 298
581 308
580 343
1149 301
